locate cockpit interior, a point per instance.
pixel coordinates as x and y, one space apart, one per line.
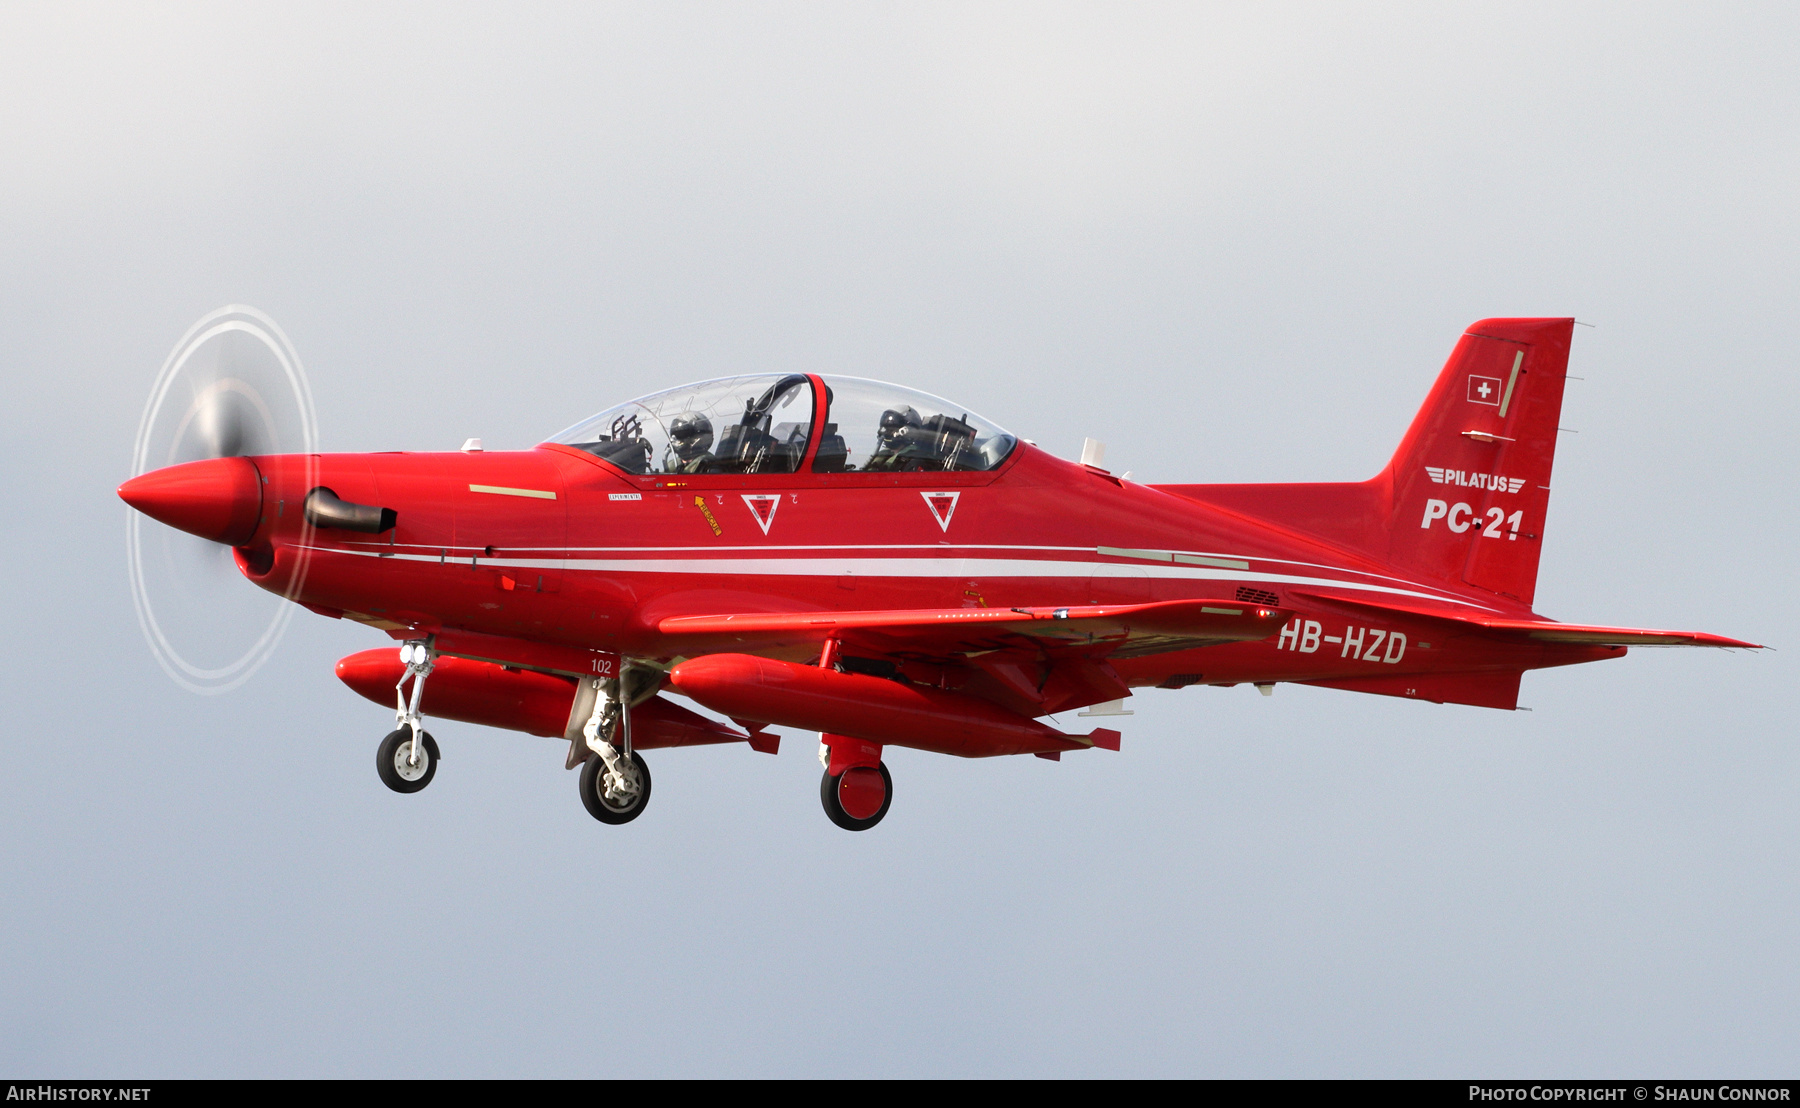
765 424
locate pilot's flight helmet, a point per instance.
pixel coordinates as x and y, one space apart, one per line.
895 422
691 435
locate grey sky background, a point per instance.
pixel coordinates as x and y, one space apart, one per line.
1234 242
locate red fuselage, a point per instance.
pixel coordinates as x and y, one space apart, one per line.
556 546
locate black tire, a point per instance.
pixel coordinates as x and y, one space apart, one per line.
591 772
828 796
387 761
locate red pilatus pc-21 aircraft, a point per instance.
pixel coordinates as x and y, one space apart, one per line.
887 568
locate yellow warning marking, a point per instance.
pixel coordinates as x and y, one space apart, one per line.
500 490
1518 358
700 503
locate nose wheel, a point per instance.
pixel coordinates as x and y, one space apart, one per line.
857 798
407 759
403 769
615 790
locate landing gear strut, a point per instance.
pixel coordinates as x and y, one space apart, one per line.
615 781
407 759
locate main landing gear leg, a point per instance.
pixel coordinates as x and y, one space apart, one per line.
407 759
857 788
615 781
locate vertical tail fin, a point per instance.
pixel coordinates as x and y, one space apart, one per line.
1470 484
1464 498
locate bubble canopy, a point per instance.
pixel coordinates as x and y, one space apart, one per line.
766 423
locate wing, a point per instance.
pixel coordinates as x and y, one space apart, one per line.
1097 630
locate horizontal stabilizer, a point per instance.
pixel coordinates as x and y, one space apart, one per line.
1543 630
1537 630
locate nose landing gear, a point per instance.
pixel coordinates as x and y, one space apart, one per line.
407 759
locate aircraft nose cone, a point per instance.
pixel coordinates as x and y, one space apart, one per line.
218 499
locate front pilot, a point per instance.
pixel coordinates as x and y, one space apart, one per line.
690 444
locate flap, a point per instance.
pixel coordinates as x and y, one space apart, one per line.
1109 630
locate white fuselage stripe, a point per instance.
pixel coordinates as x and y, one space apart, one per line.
433 553
950 568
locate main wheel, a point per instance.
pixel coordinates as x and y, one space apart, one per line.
393 761
857 798
620 806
